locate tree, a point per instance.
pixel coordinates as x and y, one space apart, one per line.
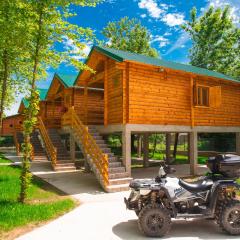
216 41
48 25
129 35
12 42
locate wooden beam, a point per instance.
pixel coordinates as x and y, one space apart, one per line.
85 104
96 78
191 99
127 93
105 93
73 96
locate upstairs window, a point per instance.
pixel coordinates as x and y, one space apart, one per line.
206 96
203 96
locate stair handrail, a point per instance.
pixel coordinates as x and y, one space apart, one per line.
51 150
16 141
90 146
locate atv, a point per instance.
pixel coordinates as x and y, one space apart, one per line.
214 196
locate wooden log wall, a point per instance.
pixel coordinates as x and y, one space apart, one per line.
157 97
115 94
228 113
95 105
11 123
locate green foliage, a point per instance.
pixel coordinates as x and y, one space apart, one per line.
129 35
6 141
48 25
215 38
3 159
28 125
220 142
12 43
43 204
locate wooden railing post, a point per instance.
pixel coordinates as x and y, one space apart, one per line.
91 149
51 150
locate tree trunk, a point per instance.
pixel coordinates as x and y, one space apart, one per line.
175 145
139 147
26 175
4 87
133 138
168 148
145 150
154 145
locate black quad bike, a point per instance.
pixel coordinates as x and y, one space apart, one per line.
214 196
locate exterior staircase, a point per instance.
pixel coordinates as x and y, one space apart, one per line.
110 172
118 177
39 153
63 157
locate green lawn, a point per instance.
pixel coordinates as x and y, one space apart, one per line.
3 159
44 202
180 159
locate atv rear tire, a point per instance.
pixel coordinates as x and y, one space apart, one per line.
154 220
229 219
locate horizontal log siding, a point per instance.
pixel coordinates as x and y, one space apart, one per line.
95 105
115 94
10 123
228 114
157 99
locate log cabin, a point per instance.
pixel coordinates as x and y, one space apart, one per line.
130 93
144 94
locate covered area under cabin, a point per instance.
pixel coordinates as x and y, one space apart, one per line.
143 95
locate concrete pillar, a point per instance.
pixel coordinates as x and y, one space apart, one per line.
193 152
126 150
145 150
139 146
72 148
238 143
168 147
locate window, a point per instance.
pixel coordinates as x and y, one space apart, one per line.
202 96
206 96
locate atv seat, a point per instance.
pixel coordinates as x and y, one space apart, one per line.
197 186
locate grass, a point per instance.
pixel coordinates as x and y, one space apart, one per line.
3 159
44 202
180 159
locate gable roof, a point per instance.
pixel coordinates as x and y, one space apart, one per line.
120 56
66 79
42 96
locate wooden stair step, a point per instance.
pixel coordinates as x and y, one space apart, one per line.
117 169
114 164
118 175
117 181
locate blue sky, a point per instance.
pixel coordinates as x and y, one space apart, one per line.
162 18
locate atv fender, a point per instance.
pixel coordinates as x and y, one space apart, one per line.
174 210
215 191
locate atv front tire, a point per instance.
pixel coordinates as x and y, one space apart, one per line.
229 219
154 220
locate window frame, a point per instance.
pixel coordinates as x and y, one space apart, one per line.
201 102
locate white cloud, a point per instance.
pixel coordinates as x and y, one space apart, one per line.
162 40
143 15
74 50
184 37
152 8
234 4
173 19
167 34
159 12
15 106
